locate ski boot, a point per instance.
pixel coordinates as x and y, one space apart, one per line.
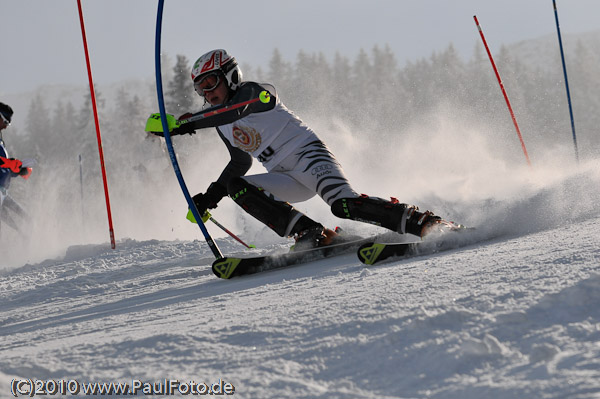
393 215
434 225
313 237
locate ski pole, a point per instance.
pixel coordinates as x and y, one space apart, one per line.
219 225
512 114
208 216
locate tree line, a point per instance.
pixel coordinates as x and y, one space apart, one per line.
371 93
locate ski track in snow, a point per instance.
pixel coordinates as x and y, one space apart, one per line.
515 316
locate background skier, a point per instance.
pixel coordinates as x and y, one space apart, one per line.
9 168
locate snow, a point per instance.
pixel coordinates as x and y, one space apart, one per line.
515 315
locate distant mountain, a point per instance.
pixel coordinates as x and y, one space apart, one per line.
544 52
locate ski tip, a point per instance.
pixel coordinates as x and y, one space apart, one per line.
369 252
225 267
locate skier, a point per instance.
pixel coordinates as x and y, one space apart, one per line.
9 168
299 164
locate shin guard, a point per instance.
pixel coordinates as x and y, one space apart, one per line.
392 215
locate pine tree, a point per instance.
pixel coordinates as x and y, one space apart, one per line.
341 85
280 74
38 127
305 84
390 98
180 95
361 75
64 120
86 143
482 88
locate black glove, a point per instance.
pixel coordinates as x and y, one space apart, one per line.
23 172
211 198
183 129
186 128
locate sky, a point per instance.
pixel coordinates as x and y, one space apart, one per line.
42 41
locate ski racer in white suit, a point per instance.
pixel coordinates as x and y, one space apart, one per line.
298 163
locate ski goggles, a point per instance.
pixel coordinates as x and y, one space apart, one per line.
208 83
4 119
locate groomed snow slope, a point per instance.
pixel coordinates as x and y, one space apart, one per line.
515 316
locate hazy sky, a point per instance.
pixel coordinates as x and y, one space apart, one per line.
41 39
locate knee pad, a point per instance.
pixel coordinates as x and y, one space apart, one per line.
279 216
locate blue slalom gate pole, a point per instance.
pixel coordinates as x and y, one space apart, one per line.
564 65
161 106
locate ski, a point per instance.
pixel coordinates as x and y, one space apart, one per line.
229 267
373 252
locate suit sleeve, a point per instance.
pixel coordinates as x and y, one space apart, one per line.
239 164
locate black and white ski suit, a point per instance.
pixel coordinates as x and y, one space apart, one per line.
299 165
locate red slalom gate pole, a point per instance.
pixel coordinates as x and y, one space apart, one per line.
512 114
101 153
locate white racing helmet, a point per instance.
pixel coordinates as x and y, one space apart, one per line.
218 60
